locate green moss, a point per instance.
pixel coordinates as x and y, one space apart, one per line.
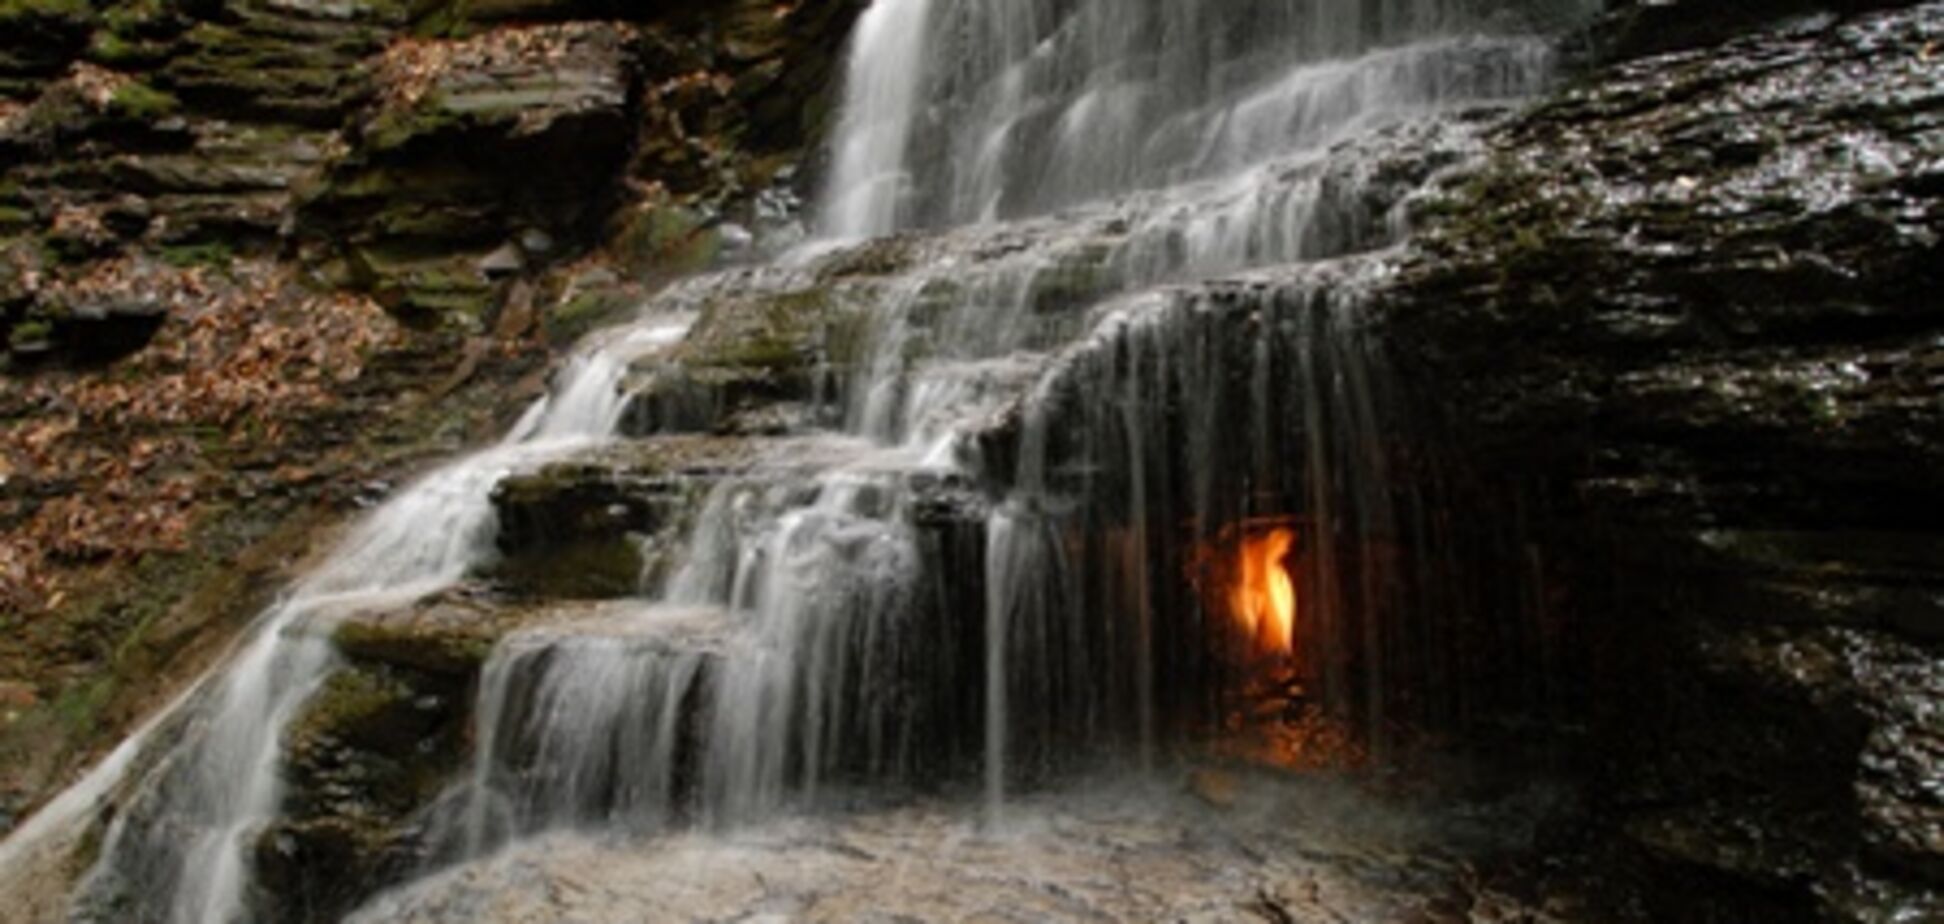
353 706
666 240
396 127
583 313
1076 280
439 18
774 336
11 10
15 219
133 17
137 100
30 336
594 569
109 48
447 652
436 290
79 706
214 255
422 220
1506 210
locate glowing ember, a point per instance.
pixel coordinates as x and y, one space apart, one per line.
1264 599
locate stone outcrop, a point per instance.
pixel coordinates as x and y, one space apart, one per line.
1682 315
215 213
478 158
432 156
1720 269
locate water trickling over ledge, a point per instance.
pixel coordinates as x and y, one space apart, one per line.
936 508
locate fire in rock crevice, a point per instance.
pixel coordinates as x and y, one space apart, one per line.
1262 595
1248 575
1250 578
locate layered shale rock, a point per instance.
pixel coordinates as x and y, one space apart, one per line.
1720 267
477 157
429 155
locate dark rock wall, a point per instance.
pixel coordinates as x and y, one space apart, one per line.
424 153
1680 329
1718 273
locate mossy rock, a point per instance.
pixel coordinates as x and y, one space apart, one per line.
573 530
14 219
137 33
139 19
139 102
370 750
31 337
582 313
664 239
368 708
13 12
306 79
214 255
1078 279
400 127
778 331
747 352
471 12
583 569
430 287
449 637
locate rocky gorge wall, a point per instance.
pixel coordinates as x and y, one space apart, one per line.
1717 269
260 259
1680 323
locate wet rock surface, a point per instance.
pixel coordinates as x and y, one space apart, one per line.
470 142
372 748
184 325
1715 264
1719 267
1276 850
427 155
1682 317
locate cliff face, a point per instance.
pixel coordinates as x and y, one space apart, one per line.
260 259
1691 306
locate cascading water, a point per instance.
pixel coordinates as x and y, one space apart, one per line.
981 570
976 111
179 850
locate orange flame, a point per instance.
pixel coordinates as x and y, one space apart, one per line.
1264 600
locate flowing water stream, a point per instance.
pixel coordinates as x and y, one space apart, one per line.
965 560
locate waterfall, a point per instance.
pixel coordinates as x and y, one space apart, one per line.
974 567
1198 121
981 110
885 82
179 850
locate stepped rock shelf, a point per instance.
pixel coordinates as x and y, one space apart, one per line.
1330 460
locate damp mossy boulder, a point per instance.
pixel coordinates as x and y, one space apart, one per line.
746 352
371 750
450 635
576 530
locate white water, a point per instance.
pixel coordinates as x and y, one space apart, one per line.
1210 121
886 83
219 783
809 575
981 110
1183 140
